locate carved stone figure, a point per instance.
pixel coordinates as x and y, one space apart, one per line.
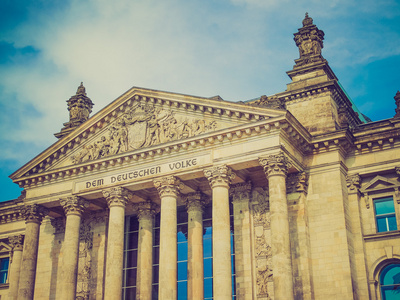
142 126
264 276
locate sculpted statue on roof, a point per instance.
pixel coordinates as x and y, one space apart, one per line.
142 126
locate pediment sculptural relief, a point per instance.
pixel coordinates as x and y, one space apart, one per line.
142 126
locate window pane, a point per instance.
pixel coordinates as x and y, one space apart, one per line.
390 275
392 223
133 224
131 277
156 255
208 288
182 290
3 277
4 264
130 293
384 206
181 236
182 271
133 240
207 248
155 274
182 251
391 294
208 268
131 259
381 223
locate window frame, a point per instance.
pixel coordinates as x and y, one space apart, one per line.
4 256
380 198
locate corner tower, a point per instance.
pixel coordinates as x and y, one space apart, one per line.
79 107
315 96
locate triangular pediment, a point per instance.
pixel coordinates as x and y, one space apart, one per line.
143 118
379 183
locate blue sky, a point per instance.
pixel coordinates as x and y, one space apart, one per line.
238 49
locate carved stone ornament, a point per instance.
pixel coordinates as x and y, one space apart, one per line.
397 99
219 175
353 182
116 196
196 201
34 213
397 169
264 275
16 242
74 205
270 102
146 209
240 192
58 225
168 186
276 164
297 182
309 39
142 126
262 248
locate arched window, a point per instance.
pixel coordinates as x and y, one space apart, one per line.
390 282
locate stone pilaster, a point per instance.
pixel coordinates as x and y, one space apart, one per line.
73 207
168 188
241 194
220 178
145 212
33 215
116 198
276 169
195 203
17 244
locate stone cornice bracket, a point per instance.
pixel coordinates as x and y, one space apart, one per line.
353 183
74 205
16 242
196 201
397 169
397 99
34 213
116 196
241 192
297 183
219 176
275 164
146 209
168 186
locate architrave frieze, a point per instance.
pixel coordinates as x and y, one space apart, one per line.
229 135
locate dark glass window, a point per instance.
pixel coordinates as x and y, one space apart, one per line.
156 256
182 231
390 282
130 258
385 214
4 264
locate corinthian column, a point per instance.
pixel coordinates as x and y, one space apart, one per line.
33 217
145 212
73 208
116 199
168 187
195 203
276 169
16 243
220 178
241 220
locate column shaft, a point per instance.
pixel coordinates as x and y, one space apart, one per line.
220 178
168 187
168 250
29 259
195 205
15 268
33 216
115 253
145 251
70 257
116 199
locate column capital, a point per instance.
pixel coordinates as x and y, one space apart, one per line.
240 192
195 201
168 186
219 175
146 209
16 242
74 205
116 196
34 213
353 182
275 164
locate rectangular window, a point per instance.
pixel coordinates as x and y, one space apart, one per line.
130 258
385 214
4 264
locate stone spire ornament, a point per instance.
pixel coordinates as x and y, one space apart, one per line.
79 107
309 39
397 99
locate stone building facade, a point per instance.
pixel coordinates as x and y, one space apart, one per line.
168 196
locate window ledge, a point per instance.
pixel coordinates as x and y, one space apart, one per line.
3 286
382 235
